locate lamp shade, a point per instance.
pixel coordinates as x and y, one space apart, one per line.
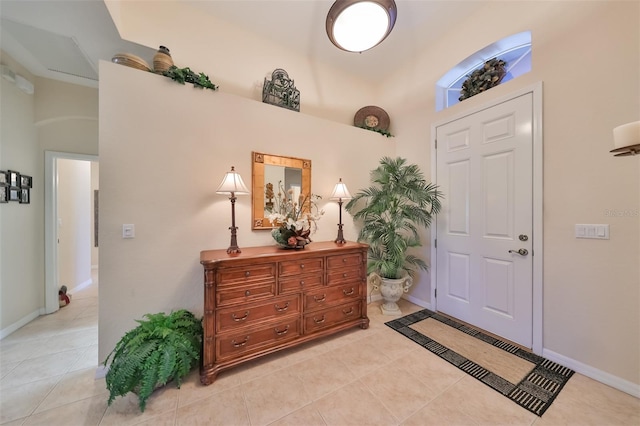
340 192
357 25
232 184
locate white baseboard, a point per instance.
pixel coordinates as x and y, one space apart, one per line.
80 286
417 301
101 372
623 385
21 322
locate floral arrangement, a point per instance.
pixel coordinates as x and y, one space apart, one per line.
484 78
296 219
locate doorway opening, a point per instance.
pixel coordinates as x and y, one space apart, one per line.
71 252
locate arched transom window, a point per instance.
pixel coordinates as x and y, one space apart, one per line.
515 50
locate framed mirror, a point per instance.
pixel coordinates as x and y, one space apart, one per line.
272 174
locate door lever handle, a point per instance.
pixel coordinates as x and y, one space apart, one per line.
521 252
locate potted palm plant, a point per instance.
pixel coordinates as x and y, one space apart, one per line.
398 204
160 349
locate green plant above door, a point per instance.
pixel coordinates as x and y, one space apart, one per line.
186 75
392 211
162 348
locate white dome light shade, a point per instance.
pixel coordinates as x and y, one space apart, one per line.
356 26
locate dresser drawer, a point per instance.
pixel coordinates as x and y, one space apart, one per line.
235 344
353 260
345 275
245 293
254 313
301 266
246 274
325 297
301 282
323 319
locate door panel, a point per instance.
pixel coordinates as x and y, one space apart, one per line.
458 212
485 170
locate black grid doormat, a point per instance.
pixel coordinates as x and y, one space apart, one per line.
535 392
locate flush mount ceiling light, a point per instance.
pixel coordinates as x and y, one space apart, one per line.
357 25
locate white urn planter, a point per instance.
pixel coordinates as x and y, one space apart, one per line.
391 291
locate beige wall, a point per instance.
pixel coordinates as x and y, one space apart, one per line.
236 60
74 223
586 53
591 287
160 164
66 117
57 117
21 229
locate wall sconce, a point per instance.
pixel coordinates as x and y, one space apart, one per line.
340 193
232 185
357 25
626 139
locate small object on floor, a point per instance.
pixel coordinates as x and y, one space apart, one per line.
64 298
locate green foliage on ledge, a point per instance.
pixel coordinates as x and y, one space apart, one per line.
162 348
186 75
382 132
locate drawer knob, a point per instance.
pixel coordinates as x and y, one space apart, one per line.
282 332
319 321
247 273
320 299
279 309
344 260
238 319
344 275
349 312
302 266
240 344
347 293
301 282
247 293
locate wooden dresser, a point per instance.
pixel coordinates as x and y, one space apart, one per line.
266 299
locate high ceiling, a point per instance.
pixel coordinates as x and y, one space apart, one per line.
64 40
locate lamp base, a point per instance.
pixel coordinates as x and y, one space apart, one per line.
232 250
340 239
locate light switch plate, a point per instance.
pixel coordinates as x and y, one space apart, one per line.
128 231
592 231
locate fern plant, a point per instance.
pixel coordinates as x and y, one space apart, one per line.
160 349
398 203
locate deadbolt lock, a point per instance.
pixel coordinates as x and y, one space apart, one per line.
523 237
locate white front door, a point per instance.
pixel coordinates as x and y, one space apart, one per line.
485 171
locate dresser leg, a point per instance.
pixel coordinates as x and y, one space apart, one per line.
208 377
365 323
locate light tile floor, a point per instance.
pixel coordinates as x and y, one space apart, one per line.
359 377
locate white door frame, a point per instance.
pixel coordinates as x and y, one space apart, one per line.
537 252
51 286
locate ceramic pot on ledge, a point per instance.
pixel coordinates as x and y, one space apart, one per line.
162 60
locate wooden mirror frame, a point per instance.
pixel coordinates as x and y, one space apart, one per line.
258 161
